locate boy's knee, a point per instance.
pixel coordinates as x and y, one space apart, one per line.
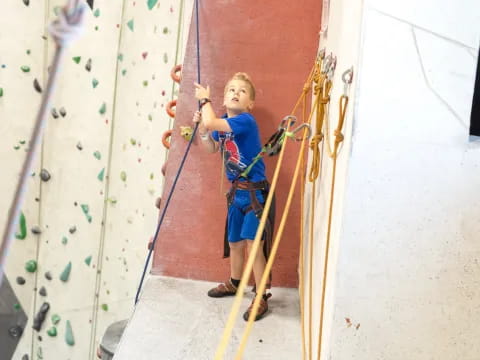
237 246
250 244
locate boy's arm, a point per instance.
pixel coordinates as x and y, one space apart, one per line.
205 137
209 118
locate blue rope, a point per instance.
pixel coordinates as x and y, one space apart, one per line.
178 172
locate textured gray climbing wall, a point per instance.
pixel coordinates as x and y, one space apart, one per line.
90 203
12 319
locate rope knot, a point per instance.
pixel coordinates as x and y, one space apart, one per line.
69 24
325 100
316 139
338 136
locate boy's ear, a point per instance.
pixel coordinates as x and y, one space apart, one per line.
252 104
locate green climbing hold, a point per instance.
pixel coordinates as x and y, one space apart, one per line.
23 228
52 331
151 4
112 200
94 83
123 176
69 334
55 319
86 210
77 59
150 117
165 30
16 147
97 155
17 307
131 24
56 10
124 72
88 260
28 52
66 272
151 176
104 307
1 92
31 266
96 13
101 174
25 68
120 57
133 141
145 83
165 58
103 109
64 240
39 353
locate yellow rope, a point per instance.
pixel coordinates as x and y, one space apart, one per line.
320 104
271 258
338 139
256 244
325 85
301 257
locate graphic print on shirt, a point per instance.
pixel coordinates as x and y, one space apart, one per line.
231 155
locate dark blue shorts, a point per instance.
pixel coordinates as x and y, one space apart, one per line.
242 225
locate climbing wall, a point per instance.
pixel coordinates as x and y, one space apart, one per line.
190 244
101 155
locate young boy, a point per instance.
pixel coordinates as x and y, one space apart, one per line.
236 135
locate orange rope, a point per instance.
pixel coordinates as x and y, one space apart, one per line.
271 258
301 256
343 102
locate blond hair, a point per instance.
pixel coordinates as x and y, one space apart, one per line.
244 77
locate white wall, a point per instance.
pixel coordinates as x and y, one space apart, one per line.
134 111
342 40
406 270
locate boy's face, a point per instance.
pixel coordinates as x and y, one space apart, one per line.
237 98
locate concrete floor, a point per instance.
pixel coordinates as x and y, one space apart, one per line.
175 319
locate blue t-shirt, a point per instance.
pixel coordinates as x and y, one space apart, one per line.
240 146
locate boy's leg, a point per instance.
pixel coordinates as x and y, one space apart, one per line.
259 262
258 269
237 256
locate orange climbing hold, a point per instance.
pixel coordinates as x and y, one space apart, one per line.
174 73
166 138
169 109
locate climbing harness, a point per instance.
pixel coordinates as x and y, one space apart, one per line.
64 30
179 171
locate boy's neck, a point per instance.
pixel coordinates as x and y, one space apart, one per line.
232 113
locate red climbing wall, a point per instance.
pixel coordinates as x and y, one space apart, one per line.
277 46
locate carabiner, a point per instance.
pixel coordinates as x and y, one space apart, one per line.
347 78
282 125
301 127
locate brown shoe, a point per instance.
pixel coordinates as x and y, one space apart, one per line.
225 289
262 308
